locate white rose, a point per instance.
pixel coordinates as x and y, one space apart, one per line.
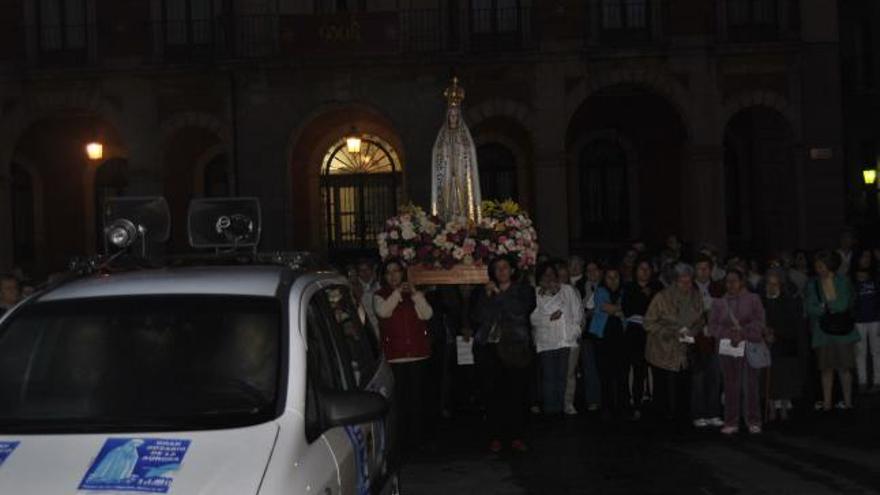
394 235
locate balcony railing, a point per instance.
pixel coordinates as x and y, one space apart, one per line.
753 20
190 40
498 29
63 44
424 30
227 37
622 22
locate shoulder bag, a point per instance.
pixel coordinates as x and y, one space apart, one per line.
757 353
833 323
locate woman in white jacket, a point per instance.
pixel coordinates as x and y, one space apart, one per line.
556 323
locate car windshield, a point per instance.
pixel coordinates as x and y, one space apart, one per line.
142 363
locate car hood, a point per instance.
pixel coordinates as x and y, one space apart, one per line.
216 462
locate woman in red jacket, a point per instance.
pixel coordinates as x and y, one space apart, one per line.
403 313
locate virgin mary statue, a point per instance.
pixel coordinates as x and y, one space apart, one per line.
455 180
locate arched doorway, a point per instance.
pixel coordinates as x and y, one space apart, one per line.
761 193
360 190
625 145
602 180
310 148
504 155
64 214
195 164
498 172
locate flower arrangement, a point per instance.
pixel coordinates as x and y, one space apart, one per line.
421 239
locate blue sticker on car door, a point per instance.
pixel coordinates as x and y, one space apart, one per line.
6 449
359 442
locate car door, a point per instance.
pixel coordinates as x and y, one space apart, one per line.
322 372
361 367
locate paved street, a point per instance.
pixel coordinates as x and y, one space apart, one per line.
810 455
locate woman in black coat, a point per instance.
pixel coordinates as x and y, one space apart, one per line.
786 335
503 344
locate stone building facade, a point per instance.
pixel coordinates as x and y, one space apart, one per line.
718 120
860 61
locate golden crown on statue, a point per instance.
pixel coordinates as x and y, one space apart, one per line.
454 94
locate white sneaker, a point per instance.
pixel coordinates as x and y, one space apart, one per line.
754 429
729 430
701 423
570 411
535 410
715 422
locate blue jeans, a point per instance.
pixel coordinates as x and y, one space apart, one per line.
554 373
592 385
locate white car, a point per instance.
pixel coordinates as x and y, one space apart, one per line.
241 379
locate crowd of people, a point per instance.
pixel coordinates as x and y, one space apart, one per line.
679 334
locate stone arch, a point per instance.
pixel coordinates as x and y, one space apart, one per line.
660 135
761 98
33 108
514 110
194 119
323 110
186 140
659 82
308 144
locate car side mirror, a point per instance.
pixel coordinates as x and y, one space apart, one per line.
351 407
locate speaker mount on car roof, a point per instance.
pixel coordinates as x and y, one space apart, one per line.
225 224
131 221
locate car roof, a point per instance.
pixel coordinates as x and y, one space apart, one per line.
251 280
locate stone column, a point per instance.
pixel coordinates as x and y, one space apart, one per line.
551 202
550 186
819 113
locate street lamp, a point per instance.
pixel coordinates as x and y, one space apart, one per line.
353 142
95 151
870 176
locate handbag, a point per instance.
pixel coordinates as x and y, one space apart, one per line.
834 323
757 353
